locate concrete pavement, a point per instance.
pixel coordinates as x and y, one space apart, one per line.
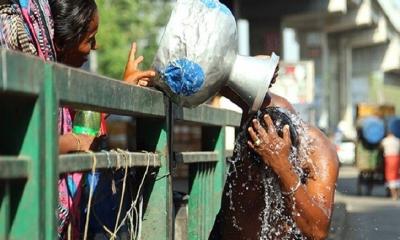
368 217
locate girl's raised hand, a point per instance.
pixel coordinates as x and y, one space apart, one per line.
132 73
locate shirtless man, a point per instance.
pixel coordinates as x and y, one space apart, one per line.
307 203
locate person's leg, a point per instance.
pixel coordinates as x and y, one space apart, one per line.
398 176
391 175
396 182
394 193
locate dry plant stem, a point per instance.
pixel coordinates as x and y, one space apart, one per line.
90 196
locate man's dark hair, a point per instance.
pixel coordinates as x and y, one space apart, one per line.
280 117
71 20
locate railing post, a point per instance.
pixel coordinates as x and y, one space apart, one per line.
155 135
49 152
5 205
29 130
214 139
206 185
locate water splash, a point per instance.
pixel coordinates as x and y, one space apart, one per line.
276 220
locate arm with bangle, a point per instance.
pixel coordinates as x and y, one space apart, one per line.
310 208
71 142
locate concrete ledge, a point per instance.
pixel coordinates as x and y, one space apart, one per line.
338 222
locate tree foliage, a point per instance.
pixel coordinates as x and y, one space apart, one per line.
123 22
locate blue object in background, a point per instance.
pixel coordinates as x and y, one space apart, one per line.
92 179
184 77
394 125
373 129
71 186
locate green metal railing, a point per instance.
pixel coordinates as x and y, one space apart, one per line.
31 92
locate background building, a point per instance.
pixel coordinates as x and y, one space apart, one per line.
354 44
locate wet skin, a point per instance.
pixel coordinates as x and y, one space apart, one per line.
313 201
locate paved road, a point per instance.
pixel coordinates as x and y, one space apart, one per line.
369 218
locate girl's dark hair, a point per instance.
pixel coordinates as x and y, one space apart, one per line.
71 20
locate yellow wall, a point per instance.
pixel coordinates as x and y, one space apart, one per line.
391 95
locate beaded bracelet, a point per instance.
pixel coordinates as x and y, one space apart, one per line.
292 190
78 141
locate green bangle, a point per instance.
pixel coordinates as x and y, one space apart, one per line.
84 130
